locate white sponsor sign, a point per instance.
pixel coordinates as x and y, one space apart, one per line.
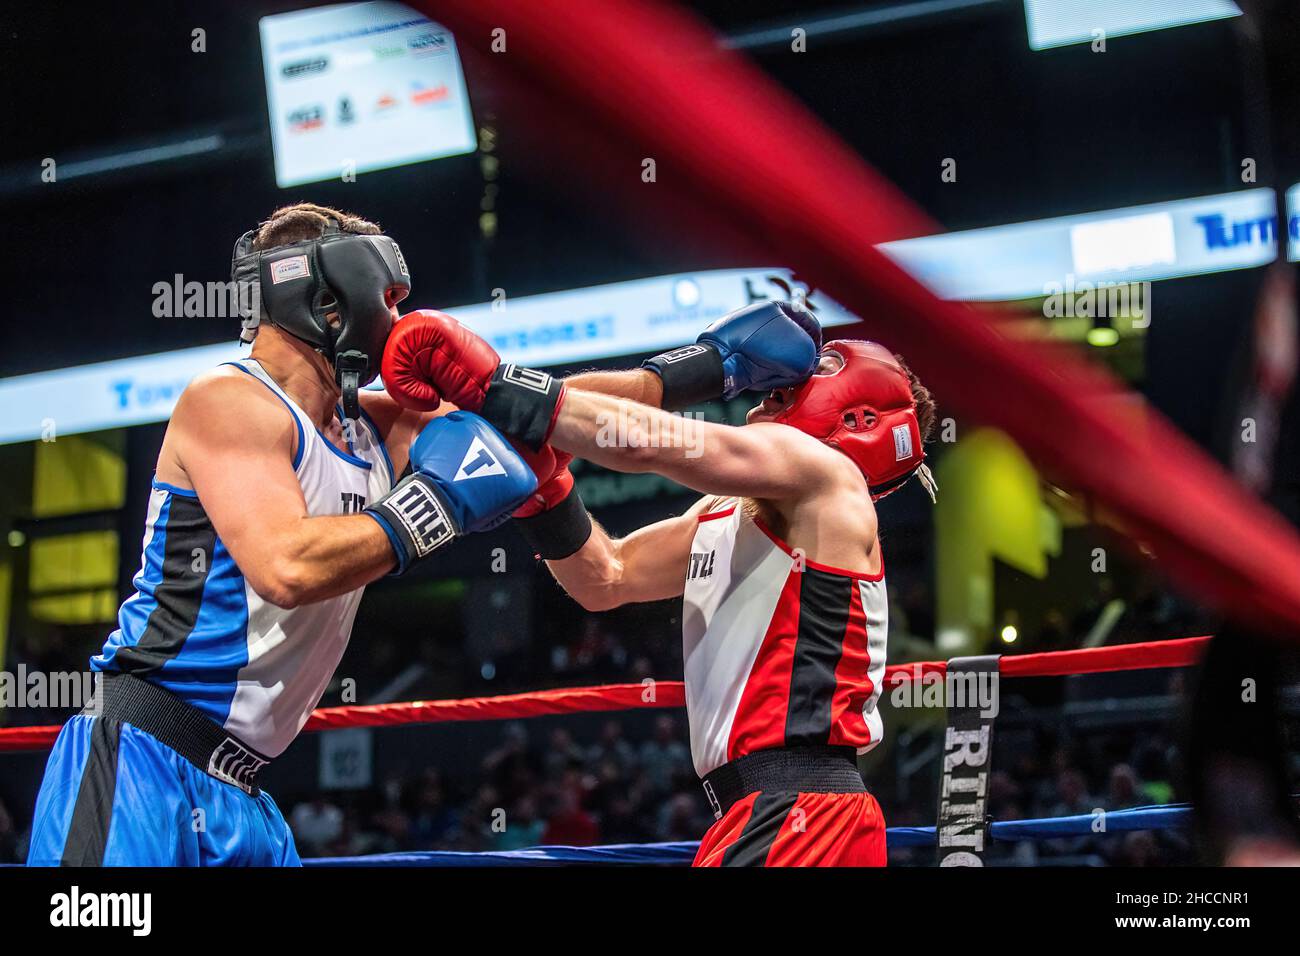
361 86
1140 243
346 759
1062 22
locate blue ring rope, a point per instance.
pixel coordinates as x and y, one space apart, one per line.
1166 817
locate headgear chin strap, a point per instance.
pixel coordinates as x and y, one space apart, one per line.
295 286
865 409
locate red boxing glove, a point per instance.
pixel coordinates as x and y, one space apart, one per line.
554 480
430 357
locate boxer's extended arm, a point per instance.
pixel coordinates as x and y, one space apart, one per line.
647 565
240 465
763 460
430 357
639 385
399 426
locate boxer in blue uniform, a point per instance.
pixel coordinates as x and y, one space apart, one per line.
276 499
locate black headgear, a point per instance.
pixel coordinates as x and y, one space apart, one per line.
294 286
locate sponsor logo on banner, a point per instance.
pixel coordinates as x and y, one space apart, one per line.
638 316
422 95
297 68
306 118
131 394
1220 232
428 44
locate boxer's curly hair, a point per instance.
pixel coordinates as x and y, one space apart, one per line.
305 220
926 410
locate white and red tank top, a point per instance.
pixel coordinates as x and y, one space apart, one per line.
776 656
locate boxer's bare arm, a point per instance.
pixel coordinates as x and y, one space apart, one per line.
647 565
233 441
636 385
763 460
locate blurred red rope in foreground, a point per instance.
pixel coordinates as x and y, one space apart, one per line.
722 136
584 700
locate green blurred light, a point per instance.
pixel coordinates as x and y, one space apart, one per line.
1102 336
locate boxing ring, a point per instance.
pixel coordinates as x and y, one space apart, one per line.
1183 652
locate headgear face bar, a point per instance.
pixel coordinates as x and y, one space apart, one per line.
295 286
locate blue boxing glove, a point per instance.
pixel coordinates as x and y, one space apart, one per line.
765 346
762 346
465 478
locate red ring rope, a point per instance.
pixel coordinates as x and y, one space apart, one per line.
581 700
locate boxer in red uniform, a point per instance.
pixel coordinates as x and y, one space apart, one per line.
779 564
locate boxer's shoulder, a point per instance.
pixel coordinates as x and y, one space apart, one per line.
227 380
227 399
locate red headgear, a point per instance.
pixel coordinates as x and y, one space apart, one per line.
866 410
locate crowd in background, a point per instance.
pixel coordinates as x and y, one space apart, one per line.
559 790
616 789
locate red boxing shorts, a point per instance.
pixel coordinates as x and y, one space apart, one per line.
772 828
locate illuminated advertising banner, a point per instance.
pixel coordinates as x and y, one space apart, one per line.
361 86
1055 23
1002 263
625 318
1140 243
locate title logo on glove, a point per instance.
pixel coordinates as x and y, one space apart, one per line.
530 378
422 515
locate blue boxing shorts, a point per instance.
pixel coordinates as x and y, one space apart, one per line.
114 795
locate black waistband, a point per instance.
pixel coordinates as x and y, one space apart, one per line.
128 699
789 769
